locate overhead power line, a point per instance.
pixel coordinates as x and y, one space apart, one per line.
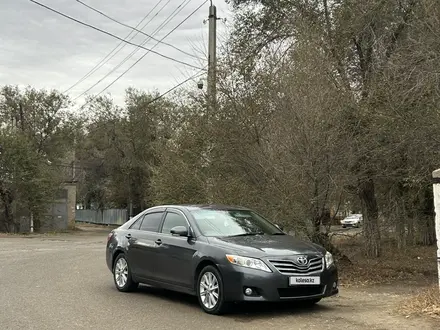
113 35
115 50
125 72
200 73
136 29
158 29
175 87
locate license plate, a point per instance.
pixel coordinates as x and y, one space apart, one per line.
305 280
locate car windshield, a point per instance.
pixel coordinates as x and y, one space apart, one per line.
233 223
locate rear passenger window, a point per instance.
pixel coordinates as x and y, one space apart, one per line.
151 221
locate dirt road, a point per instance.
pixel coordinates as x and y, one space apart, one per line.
62 282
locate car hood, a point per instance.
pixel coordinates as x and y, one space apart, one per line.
266 245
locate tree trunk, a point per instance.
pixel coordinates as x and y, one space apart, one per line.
427 231
426 224
371 218
410 232
37 223
401 218
316 224
9 224
400 232
323 239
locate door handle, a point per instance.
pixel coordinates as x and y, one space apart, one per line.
158 242
128 236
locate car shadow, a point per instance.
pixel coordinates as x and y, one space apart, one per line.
168 295
241 312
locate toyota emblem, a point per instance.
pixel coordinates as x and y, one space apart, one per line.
301 260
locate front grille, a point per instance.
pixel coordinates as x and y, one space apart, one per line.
301 291
292 267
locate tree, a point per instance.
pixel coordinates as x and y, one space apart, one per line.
35 136
118 150
362 42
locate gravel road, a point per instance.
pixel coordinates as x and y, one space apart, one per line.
62 282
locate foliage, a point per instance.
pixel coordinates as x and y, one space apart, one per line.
371 76
119 150
321 104
35 137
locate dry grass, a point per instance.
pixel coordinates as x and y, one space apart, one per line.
414 264
425 303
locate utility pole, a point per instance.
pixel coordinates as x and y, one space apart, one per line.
212 60
211 96
14 177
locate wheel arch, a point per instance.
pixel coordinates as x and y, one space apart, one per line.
115 255
202 264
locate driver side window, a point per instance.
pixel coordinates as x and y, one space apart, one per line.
173 220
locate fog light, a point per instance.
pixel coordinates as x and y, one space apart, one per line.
335 285
248 291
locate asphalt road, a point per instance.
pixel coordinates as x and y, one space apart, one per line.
62 282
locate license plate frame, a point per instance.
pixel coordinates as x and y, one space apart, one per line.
304 280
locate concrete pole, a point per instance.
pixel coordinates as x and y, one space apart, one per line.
436 188
212 60
212 78
14 178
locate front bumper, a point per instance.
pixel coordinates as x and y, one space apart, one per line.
273 287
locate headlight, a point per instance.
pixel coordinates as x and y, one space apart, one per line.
328 259
248 262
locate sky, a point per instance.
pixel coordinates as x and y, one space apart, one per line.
41 49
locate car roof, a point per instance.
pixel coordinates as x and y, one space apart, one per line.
193 207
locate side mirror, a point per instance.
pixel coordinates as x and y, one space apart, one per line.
279 227
180 231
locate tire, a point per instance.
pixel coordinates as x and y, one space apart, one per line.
208 279
122 275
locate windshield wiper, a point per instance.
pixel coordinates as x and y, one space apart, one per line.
280 233
248 234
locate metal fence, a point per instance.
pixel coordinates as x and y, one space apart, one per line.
104 217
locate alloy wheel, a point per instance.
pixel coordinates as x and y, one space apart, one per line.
121 272
209 290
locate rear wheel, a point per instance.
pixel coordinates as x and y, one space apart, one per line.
210 291
122 275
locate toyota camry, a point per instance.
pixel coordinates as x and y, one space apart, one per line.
220 254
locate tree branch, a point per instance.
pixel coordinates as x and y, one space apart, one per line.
399 29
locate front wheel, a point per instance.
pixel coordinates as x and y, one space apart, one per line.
122 275
210 291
